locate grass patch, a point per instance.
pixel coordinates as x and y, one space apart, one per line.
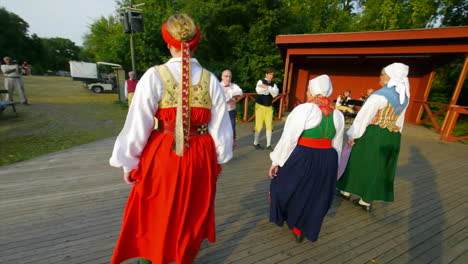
62 115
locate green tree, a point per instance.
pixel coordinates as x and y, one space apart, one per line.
240 35
453 12
58 51
14 37
319 16
107 42
390 15
41 53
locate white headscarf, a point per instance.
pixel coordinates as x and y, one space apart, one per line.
398 73
321 85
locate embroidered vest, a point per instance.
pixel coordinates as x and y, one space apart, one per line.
199 93
386 118
394 98
325 130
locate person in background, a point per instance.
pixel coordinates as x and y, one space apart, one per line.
305 162
26 69
232 91
13 80
173 170
342 102
368 93
130 86
375 137
266 90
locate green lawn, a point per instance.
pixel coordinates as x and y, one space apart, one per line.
62 114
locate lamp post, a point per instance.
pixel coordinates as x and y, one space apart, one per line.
133 22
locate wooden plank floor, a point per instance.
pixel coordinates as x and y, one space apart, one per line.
66 207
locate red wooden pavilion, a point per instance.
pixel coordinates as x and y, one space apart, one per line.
354 61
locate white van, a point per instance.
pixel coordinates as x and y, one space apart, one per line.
87 72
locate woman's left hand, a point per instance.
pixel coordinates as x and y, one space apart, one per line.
128 179
273 171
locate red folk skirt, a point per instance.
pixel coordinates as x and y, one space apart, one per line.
171 209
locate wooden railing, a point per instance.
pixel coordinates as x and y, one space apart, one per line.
431 116
247 97
449 122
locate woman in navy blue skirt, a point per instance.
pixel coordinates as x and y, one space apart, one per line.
305 162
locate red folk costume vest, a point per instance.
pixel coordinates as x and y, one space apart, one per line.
131 85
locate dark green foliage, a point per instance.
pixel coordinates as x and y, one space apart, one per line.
14 40
239 35
42 54
454 12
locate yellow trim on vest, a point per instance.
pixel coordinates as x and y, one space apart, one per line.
199 93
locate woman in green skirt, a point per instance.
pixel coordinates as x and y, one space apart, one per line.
375 137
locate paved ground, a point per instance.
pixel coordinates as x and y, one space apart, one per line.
66 207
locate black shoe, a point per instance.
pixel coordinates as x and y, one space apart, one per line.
298 238
269 148
257 146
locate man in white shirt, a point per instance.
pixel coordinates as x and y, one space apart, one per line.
13 80
266 90
232 91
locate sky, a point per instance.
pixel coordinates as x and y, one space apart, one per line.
60 18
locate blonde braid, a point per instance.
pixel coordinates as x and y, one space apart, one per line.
181 27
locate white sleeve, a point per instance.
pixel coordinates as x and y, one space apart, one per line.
261 90
228 94
125 89
236 90
373 104
338 101
337 141
219 126
139 123
304 116
274 91
401 120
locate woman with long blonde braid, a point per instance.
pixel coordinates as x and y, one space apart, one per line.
173 170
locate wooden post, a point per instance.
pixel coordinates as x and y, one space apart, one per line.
246 108
450 119
280 111
286 80
426 95
288 89
452 116
286 73
461 80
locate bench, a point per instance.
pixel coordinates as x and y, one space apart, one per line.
5 104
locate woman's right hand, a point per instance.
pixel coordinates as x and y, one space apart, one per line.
273 171
128 179
351 142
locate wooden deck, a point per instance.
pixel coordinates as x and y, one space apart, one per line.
66 207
